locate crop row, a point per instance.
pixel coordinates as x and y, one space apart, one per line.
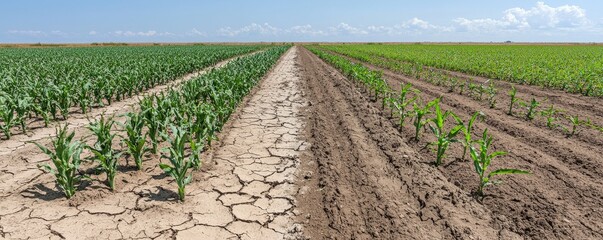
44 84
186 119
556 118
408 106
574 69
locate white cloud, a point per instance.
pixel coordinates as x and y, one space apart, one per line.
305 30
150 33
92 33
413 26
416 23
195 32
31 33
539 17
262 29
346 28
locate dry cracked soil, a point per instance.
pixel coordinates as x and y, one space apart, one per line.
307 155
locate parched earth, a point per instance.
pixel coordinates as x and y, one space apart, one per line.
309 154
245 191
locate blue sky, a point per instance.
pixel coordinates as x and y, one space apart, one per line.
30 21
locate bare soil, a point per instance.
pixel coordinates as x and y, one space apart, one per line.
562 198
311 154
245 189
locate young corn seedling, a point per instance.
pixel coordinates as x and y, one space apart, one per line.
22 107
179 164
151 121
444 139
463 86
7 116
467 130
514 99
103 150
576 122
531 109
420 113
491 90
136 139
481 162
65 156
196 148
550 114
402 103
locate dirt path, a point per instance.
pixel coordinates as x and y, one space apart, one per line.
367 182
245 191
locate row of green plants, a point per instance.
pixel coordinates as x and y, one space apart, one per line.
574 69
184 119
407 105
530 109
45 84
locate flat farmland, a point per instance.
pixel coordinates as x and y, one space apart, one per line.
302 141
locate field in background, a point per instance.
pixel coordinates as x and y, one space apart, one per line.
571 68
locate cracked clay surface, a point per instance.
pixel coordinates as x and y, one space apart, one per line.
245 190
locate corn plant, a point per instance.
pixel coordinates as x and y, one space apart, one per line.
7 116
467 130
444 139
576 122
491 90
152 122
179 164
420 113
103 150
453 83
22 107
481 162
531 108
196 148
550 114
463 86
65 156
514 99
403 101
136 139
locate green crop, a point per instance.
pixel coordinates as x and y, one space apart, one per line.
420 113
467 130
444 139
49 82
551 118
576 122
103 150
481 162
196 148
531 108
135 138
574 69
22 107
514 99
7 116
401 103
180 165
491 90
65 156
149 113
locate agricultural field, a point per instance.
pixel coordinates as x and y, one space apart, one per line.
304 141
573 68
40 85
